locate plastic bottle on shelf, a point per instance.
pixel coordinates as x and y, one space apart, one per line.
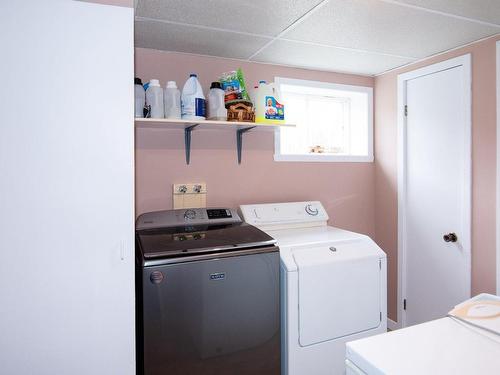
172 98
216 107
154 99
140 98
255 93
193 103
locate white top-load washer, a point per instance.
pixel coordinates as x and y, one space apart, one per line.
333 285
446 346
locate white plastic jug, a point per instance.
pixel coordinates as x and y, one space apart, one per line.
192 100
154 99
216 107
172 98
268 105
140 98
253 94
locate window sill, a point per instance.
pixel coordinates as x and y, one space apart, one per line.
318 158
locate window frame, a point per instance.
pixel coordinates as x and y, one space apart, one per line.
322 157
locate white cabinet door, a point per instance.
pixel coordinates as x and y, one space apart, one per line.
66 188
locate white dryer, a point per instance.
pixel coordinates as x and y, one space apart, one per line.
333 285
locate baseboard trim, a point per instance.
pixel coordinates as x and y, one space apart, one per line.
392 325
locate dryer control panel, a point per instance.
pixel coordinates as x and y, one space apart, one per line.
283 215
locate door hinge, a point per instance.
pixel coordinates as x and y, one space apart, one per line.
381 316
404 304
406 110
380 264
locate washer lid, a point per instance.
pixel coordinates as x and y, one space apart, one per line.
339 289
188 240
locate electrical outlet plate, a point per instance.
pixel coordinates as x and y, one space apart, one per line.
189 195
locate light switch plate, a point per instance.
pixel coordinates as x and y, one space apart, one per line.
189 195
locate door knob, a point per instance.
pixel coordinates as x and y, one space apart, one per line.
450 237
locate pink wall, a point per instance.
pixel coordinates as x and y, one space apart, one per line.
358 196
483 166
346 189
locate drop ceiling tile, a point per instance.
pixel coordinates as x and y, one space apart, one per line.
482 10
265 17
387 28
180 38
327 58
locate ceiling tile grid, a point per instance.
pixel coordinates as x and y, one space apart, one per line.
480 10
199 40
354 36
387 28
262 17
319 57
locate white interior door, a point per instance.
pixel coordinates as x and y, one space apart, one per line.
66 188
434 189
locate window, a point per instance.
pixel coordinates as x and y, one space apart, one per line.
333 122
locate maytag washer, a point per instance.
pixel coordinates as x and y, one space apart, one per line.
207 295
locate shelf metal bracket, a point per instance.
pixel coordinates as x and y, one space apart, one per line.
239 140
187 141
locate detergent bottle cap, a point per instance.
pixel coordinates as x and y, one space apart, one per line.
215 85
171 85
154 82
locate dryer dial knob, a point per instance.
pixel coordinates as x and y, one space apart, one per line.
311 210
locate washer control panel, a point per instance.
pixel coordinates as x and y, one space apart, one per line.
191 216
221 213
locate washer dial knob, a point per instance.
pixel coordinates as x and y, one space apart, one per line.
311 210
190 214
